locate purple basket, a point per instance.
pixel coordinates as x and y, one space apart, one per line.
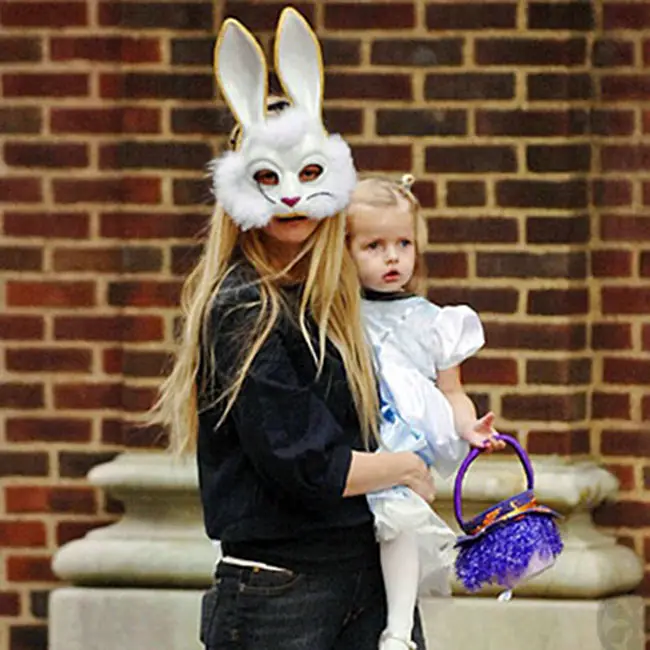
510 541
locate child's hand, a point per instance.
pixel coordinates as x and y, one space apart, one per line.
482 433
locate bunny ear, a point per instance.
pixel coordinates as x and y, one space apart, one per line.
298 62
241 72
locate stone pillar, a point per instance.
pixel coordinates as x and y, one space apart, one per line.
137 584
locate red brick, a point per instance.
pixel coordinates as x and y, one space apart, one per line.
122 120
466 194
67 225
14 49
140 190
627 371
24 154
28 637
625 300
21 396
528 336
125 259
551 407
22 534
157 15
135 363
574 16
109 328
611 192
43 14
625 158
192 191
50 294
611 53
49 430
494 300
625 443
144 294
524 193
611 263
624 474
68 531
24 463
369 86
154 155
624 227
645 190
9 603
45 85
558 302
470 15
382 157
48 360
21 119
88 396
557 230
644 264
530 51
32 499
20 190
558 158
470 159
612 122
566 443
611 336
77 464
446 265
625 87
125 434
416 52
185 258
352 15
469 86
486 230
531 265
137 399
645 408
558 372
154 225
119 49
523 123
21 328
645 335
610 405
626 15
490 370
30 568
14 258
139 85
264 16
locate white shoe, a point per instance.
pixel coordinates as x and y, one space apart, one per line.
388 641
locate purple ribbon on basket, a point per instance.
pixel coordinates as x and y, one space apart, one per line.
510 541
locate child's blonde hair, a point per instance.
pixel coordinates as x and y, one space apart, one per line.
378 192
331 296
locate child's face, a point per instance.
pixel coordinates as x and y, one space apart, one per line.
382 244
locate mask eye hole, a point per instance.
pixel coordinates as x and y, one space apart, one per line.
310 173
266 177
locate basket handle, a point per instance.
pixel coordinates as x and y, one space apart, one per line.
471 457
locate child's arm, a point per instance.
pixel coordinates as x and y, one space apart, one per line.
477 432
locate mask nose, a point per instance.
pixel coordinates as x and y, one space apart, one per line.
290 200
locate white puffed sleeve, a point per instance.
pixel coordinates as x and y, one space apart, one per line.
456 334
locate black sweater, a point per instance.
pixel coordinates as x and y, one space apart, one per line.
272 475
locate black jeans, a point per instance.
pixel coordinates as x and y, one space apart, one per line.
256 609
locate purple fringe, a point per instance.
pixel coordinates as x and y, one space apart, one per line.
503 553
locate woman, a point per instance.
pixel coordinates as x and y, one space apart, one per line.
274 361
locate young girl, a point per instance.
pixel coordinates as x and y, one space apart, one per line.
273 382
418 348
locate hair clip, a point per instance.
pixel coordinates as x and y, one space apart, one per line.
407 181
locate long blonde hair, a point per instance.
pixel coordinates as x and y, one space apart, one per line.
331 295
378 192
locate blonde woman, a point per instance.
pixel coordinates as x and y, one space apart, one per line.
273 382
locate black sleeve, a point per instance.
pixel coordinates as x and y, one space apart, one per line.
288 433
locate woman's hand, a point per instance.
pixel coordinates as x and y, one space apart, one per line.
418 477
482 434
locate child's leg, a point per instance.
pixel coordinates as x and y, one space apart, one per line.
400 566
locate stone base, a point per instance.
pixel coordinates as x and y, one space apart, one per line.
534 624
168 619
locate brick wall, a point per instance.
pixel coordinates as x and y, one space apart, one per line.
523 121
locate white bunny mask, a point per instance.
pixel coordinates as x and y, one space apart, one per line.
287 165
